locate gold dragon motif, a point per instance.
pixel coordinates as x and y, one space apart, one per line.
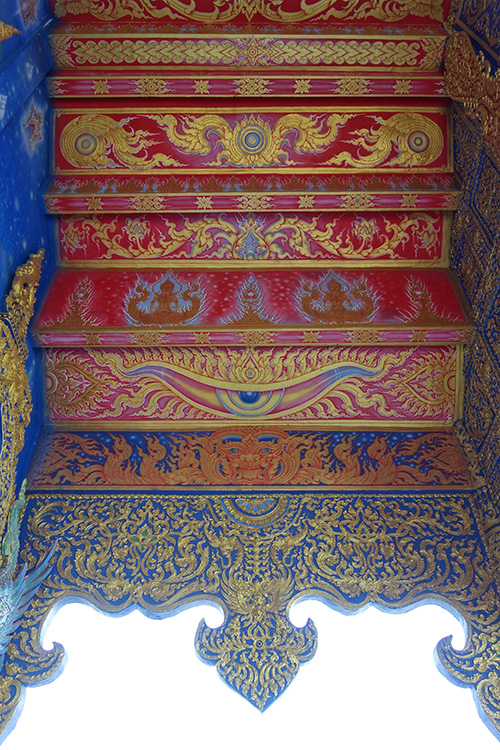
252 141
250 456
414 140
87 141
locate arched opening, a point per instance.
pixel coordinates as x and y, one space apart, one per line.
133 681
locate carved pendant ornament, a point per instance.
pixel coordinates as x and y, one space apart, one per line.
254 553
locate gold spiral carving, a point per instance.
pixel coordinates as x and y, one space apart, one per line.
416 140
87 140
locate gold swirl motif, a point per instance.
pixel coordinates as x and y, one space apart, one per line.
252 142
417 140
250 51
86 141
272 10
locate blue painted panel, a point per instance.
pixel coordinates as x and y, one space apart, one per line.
24 169
26 16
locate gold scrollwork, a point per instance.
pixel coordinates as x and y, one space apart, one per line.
252 141
224 238
254 553
87 140
422 386
15 396
415 139
272 10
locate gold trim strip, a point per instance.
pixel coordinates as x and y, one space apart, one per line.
236 488
241 108
424 34
102 425
440 263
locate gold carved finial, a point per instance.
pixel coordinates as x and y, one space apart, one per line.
15 395
7 31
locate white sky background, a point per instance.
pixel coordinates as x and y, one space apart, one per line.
134 682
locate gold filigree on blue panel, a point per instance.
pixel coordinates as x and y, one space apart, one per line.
255 553
468 145
475 255
258 657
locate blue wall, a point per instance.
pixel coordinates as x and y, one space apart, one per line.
25 59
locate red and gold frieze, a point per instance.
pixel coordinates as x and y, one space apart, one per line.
139 194
418 387
152 85
294 140
414 238
255 11
249 456
362 54
224 307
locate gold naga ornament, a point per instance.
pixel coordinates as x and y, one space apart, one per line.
251 142
406 139
15 395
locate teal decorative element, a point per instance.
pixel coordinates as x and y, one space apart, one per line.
16 592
